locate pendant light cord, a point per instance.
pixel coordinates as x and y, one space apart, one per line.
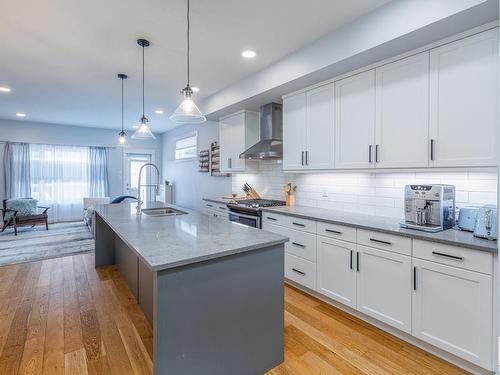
122 104
143 81
188 29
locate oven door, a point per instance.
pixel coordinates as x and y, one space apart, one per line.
245 219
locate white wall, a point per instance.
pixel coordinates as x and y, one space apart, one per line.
371 193
31 132
190 185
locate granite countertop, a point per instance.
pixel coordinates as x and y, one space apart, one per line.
386 225
217 200
172 241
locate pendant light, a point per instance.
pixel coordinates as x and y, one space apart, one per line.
187 112
122 136
143 132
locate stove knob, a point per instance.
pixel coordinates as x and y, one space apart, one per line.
255 205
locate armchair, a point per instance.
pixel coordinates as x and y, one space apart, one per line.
12 217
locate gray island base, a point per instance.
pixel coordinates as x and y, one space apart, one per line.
222 315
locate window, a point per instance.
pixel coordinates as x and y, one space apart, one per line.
186 148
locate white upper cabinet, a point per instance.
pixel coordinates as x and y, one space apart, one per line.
237 132
320 130
355 121
294 131
452 309
464 102
402 113
308 129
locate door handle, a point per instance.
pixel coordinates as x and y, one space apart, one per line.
370 150
376 153
414 278
302 157
350 260
307 157
357 262
432 149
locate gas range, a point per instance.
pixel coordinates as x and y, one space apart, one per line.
248 211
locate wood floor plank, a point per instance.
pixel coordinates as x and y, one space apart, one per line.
53 355
64 317
75 363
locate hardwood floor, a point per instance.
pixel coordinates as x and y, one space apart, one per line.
61 316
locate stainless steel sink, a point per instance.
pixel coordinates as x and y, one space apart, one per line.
163 212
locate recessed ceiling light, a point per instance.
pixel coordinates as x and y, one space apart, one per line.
159 111
195 89
20 114
248 54
4 89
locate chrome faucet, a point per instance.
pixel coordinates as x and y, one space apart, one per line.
157 185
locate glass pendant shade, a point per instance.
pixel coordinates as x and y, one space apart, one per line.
122 139
143 132
188 112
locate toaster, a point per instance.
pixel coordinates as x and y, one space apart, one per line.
486 222
467 218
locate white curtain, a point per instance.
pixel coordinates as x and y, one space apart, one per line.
60 179
17 170
98 171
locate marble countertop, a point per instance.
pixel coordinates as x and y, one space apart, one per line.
218 200
172 241
386 225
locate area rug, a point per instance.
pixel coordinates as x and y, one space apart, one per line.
36 243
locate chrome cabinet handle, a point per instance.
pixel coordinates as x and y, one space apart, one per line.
298 271
380 241
333 231
448 256
298 244
298 224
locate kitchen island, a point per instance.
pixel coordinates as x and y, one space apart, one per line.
212 289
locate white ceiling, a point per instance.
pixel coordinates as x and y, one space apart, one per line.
61 57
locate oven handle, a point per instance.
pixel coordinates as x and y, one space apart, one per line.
253 217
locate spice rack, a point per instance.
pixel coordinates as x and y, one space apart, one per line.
214 161
204 161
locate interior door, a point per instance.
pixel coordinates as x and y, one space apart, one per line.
402 113
337 270
384 287
355 128
133 163
320 129
464 101
452 309
294 131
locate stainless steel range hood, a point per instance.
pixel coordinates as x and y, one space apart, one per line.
270 145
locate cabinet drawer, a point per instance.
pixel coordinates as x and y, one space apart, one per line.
473 260
301 244
384 241
269 217
340 232
220 207
300 270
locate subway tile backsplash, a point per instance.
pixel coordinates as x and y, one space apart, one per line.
378 193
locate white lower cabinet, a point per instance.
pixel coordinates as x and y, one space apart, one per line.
337 270
452 309
383 286
300 270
